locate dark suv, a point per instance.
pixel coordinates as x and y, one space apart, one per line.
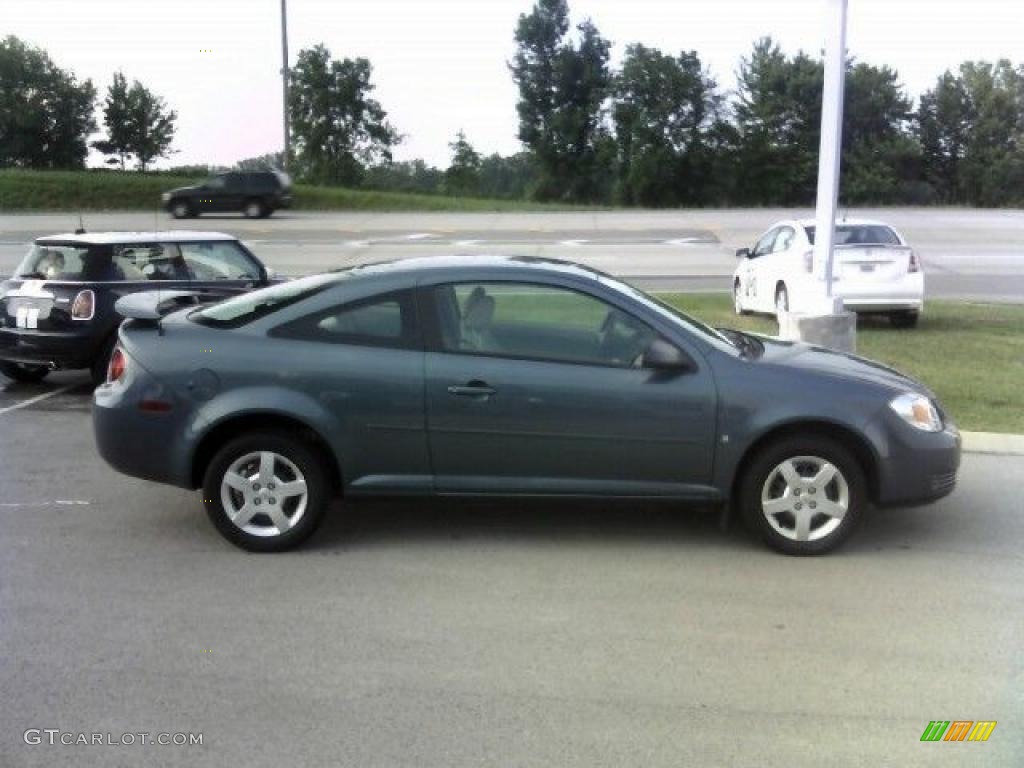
255 193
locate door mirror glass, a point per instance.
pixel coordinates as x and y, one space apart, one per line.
743 253
662 356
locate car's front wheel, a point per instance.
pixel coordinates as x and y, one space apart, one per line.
781 299
737 299
905 319
180 209
26 374
266 492
803 495
253 209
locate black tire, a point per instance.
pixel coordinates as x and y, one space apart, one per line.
905 319
763 468
98 369
294 450
26 374
182 209
781 297
254 208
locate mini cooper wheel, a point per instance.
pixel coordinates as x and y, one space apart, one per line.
26 374
266 492
803 496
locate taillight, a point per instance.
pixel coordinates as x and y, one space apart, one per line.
84 305
117 366
915 263
809 262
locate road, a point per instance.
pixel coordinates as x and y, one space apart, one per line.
966 253
492 634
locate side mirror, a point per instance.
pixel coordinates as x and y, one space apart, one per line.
270 272
743 253
662 356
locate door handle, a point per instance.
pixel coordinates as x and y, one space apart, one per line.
472 389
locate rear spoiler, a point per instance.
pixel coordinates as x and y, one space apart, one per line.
151 306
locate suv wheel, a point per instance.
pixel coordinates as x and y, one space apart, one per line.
26 374
803 495
180 209
266 492
253 209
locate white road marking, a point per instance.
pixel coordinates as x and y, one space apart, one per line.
36 399
356 243
420 235
573 243
59 502
467 243
686 241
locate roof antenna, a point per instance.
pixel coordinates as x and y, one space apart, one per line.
81 226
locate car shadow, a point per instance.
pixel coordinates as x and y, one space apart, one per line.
381 522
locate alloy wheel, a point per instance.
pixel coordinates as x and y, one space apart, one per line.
264 494
805 498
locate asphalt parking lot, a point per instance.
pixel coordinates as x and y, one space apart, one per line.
492 633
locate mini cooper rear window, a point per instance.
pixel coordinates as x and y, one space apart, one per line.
243 309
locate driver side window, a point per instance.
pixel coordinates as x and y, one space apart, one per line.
538 322
764 245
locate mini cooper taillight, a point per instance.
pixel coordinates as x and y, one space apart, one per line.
84 306
117 366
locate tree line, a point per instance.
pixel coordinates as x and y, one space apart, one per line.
658 131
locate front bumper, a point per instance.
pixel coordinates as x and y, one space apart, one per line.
76 348
914 467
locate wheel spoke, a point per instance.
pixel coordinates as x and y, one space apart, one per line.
279 519
292 488
824 476
792 477
803 525
775 506
236 481
831 508
243 515
266 467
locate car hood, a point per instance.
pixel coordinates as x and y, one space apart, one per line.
829 362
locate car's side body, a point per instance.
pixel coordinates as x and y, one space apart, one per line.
417 417
38 327
869 277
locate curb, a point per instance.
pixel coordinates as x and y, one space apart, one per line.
994 443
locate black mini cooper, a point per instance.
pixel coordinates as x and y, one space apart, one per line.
57 311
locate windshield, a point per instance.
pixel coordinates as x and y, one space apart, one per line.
715 337
239 310
860 234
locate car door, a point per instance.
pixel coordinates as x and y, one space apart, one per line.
753 269
221 267
534 388
363 361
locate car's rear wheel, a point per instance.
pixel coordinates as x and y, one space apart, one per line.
266 492
26 374
180 209
253 208
781 299
905 319
803 495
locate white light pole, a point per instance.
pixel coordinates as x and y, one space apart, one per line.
284 82
831 143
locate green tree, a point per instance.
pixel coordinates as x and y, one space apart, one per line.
664 107
563 85
943 124
150 125
117 120
337 127
46 115
463 175
506 178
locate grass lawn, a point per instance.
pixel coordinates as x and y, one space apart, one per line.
22 190
970 354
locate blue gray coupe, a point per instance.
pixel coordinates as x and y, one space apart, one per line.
504 376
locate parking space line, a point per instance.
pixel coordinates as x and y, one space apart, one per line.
37 398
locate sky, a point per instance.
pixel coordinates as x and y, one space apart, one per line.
440 66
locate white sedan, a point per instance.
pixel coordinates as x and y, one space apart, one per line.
874 271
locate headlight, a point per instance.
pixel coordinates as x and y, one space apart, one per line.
165 196
918 411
